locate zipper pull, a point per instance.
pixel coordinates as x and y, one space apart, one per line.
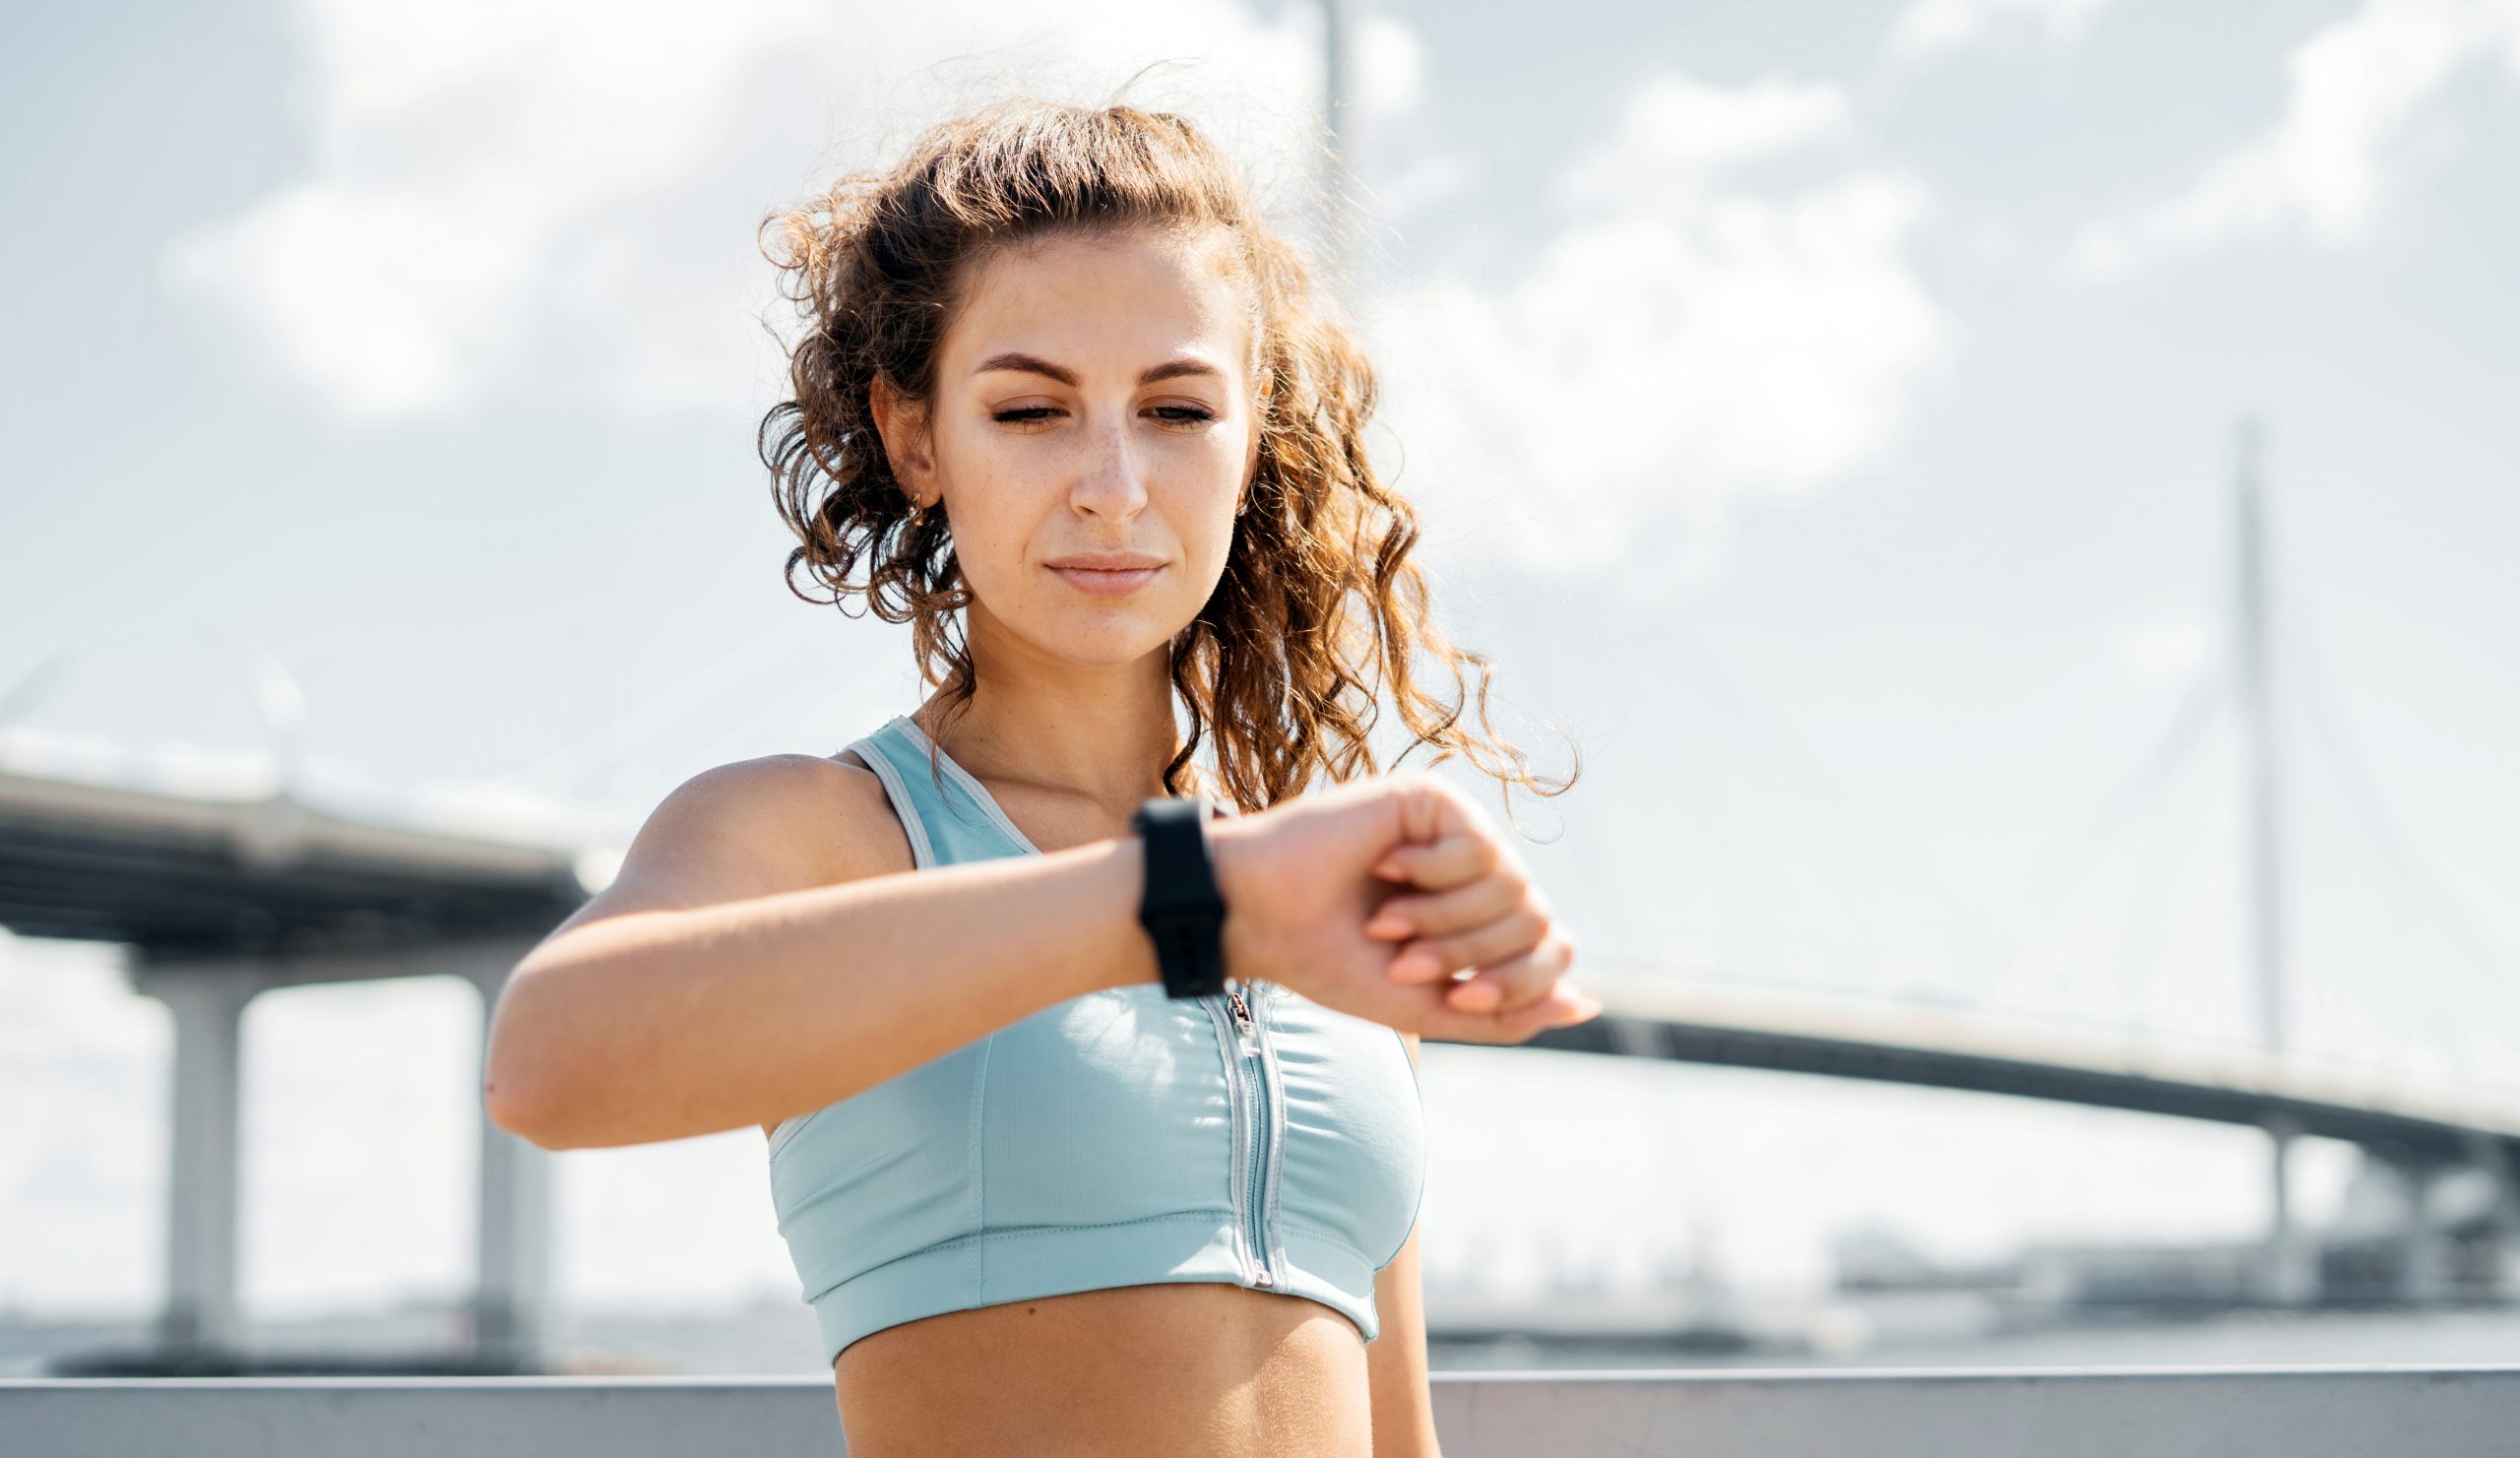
1241 1015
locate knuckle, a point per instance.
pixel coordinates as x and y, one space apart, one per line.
1423 781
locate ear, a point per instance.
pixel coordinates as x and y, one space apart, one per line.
902 424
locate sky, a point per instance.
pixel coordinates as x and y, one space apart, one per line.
1823 416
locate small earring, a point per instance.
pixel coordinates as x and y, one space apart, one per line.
918 511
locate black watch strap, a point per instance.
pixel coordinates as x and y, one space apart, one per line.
1181 909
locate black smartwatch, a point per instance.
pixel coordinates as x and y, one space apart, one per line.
1181 908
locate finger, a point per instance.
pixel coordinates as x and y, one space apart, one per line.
1563 1007
1426 959
1456 857
1439 914
1516 982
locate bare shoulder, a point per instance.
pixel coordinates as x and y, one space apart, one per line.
756 827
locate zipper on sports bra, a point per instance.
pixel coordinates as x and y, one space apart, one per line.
1242 1017
1252 1089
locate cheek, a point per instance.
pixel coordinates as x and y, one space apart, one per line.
1207 525
986 521
1211 463
989 543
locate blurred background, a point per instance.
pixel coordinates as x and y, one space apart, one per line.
2006 497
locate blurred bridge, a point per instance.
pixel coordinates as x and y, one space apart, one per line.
2424 1135
218 901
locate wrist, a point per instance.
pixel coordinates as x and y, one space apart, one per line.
1229 855
1119 875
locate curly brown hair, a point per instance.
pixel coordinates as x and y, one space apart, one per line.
1318 589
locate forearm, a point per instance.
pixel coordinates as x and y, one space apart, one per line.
665 1025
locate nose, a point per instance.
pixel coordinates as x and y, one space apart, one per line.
1107 481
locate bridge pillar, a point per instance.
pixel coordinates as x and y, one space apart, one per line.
209 1004
2288 1275
512 1292
2499 1158
2424 1262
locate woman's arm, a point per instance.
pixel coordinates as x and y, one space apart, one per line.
1404 1409
766 951
767 948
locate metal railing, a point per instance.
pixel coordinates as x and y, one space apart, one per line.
2234 1412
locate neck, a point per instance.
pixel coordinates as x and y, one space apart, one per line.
1102 733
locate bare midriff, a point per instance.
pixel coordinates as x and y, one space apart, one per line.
1161 1370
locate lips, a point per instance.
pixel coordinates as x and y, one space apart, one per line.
1107 561
1128 573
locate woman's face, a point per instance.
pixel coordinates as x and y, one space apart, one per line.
1094 402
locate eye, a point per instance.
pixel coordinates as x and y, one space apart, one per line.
1027 414
1184 415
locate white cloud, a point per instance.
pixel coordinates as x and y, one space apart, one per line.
559 195
1679 132
2356 89
556 200
1928 28
1686 340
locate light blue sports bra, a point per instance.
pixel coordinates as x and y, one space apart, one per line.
1120 1138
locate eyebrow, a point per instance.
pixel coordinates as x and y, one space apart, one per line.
1035 365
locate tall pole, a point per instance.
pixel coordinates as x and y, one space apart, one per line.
1334 68
2292 1265
2257 709
1339 141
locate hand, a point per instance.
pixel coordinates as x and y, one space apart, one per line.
1370 897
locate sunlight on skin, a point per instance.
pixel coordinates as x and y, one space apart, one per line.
1033 466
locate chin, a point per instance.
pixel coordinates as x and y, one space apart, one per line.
1116 641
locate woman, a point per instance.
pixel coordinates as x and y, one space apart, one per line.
1058 379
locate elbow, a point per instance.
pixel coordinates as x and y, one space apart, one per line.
516 1092
504 1116
510 1108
